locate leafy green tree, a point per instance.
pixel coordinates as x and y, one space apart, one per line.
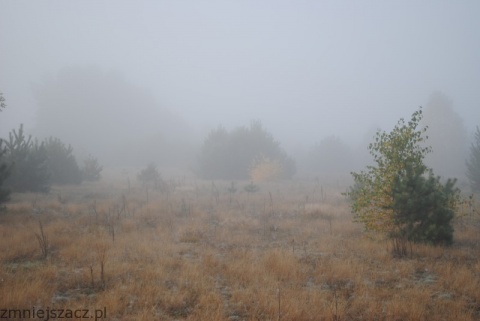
399 175
29 163
61 162
231 155
473 164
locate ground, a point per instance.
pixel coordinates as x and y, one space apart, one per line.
199 251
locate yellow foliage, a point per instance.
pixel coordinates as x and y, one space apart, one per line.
266 170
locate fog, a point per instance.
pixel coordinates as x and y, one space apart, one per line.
171 71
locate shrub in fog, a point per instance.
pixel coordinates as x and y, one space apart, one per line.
473 163
251 188
150 177
61 162
92 169
230 155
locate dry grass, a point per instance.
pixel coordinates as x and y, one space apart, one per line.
287 252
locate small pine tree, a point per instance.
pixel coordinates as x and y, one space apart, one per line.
473 164
150 177
422 207
4 167
4 173
251 188
61 162
29 163
92 169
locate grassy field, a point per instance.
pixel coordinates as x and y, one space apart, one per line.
198 251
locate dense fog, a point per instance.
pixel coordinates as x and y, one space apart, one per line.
133 82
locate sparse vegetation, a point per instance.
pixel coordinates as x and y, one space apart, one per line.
284 214
280 252
225 261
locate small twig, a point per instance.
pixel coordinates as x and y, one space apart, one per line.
42 240
91 276
279 305
102 249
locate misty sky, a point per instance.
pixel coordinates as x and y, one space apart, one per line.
306 69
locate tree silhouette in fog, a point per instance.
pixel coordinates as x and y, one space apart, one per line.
447 137
103 114
230 155
331 155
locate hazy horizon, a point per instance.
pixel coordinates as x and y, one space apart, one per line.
305 69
